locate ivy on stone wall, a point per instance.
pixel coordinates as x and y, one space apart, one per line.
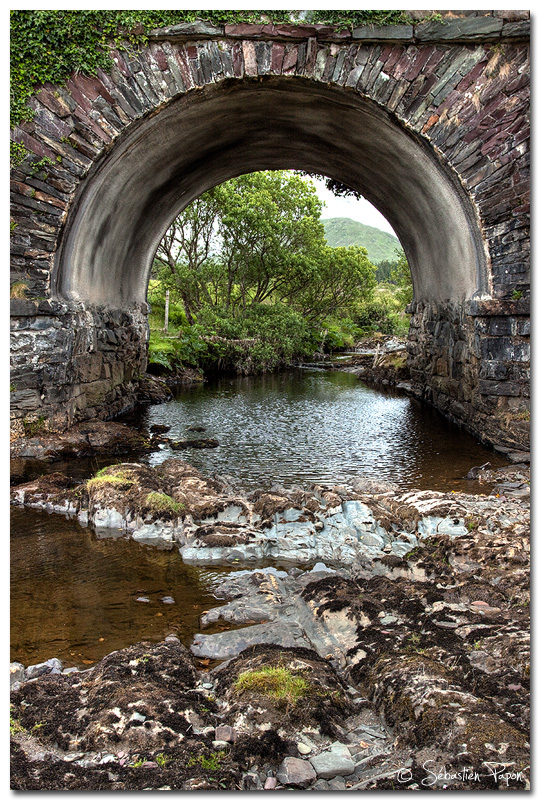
355 19
50 45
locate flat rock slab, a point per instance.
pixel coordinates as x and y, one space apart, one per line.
333 762
228 644
83 439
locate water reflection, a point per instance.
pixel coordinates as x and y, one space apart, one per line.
319 427
74 596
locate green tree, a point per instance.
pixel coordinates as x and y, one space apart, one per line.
343 276
271 237
249 266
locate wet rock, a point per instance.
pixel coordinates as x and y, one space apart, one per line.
152 390
82 439
474 471
197 444
159 428
219 646
51 666
16 673
296 773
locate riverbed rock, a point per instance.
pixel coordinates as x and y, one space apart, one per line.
82 440
196 444
421 607
411 658
333 762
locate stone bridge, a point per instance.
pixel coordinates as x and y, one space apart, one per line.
428 121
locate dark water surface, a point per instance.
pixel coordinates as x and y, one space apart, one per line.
74 595
315 426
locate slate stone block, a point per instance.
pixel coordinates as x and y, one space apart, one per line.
461 29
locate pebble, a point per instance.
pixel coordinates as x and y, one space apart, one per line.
167 600
143 600
219 744
224 733
337 784
270 783
304 749
73 756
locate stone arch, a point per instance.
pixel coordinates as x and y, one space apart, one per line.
442 106
207 136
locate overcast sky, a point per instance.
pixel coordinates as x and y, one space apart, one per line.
360 210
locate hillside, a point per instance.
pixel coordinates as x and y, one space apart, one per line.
344 232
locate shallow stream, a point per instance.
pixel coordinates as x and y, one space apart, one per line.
78 597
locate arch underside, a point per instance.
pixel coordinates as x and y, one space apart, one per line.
210 135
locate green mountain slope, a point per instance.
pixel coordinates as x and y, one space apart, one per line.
344 232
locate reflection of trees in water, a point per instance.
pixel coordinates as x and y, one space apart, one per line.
71 589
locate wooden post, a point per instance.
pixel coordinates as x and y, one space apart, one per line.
166 323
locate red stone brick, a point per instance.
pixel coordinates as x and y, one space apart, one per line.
404 62
32 144
80 98
431 121
393 57
120 63
238 60
290 58
243 29
159 55
278 51
419 62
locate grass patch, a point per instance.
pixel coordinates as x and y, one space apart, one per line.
15 726
18 290
211 762
34 427
161 503
120 480
279 683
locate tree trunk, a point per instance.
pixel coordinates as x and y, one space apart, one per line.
166 323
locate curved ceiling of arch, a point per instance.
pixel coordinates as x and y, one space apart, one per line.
210 135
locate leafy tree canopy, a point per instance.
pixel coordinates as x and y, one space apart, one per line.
258 239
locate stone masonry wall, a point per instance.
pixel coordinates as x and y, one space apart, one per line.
472 362
71 363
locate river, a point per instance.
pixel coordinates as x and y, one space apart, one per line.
77 596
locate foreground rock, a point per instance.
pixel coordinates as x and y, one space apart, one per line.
212 523
406 652
82 440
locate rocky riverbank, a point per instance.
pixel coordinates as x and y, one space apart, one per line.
400 660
